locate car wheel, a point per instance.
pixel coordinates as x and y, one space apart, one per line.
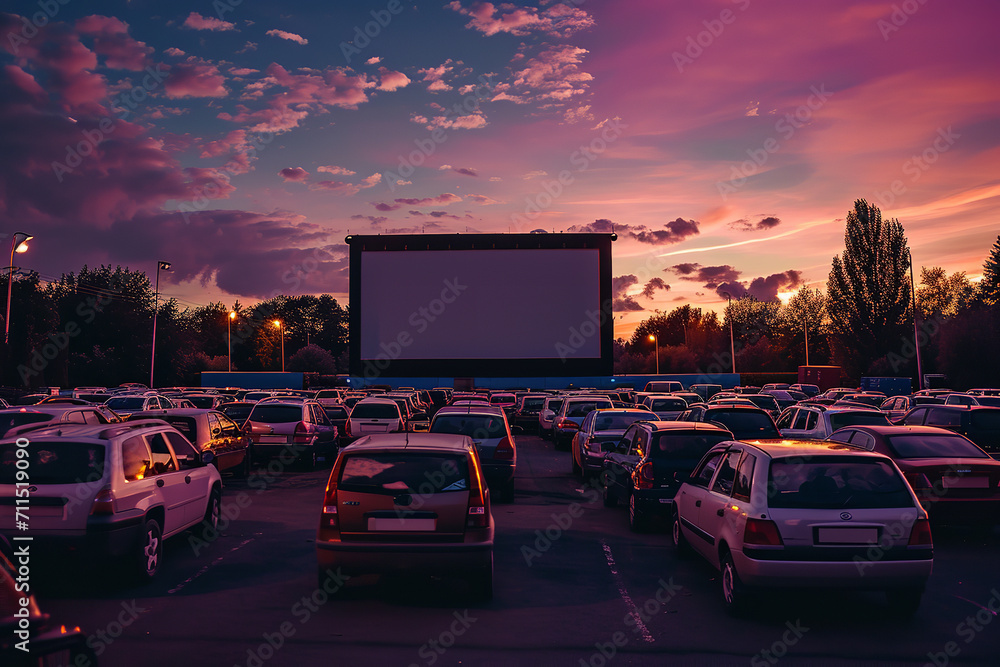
243 470
904 601
734 593
150 551
609 500
680 542
636 522
481 583
213 511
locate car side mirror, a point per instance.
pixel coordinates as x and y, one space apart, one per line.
207 457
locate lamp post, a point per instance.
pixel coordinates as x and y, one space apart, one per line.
805 331
732 340
656 351
916 333
165 266
15 246
277 324
232 316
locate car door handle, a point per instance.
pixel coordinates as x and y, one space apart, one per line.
720 512
159 482
697 503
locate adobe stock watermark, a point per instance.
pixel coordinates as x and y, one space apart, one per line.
581 159
211 191
917 165
697 43
436 647
968 630
779 648
786 126
899 17
426 147
363 36
126 102
31 25
585 330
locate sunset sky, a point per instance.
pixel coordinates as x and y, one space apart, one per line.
724 141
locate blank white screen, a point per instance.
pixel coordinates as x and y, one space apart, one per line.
506 304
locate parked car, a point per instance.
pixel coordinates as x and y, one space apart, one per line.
783 397
120 489
504 400
744 421
571 414
705 391
807 389
14 421
129 403
897 406
599 433
492 436
210 431
971 399
374 415
238 411
817 422
547 415
291 428
663 386
526 413
872 399
338 414
413 503
646 468
954 479
667 408
804 514
979 424
207 401
781 386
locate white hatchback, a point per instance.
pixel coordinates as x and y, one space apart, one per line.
805 513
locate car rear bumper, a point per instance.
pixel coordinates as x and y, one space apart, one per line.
101 538
368 558
655 502
498 473
870 570
591 462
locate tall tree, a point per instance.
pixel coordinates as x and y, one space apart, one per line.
868 291
989 288
941 295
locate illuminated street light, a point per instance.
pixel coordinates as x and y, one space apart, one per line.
15 246
165 266
277 324
656 351
232 316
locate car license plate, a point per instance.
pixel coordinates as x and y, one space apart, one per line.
666 500
979 482
400 523
272 439
847 536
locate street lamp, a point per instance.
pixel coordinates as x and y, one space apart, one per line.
805 330
732 340
656 351
232 316
916 333
165 266
15 246
277 324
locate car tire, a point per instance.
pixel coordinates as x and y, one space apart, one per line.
637 523
481 583
246 466
734 593
681 544
213 512
609 500
150 551
904 601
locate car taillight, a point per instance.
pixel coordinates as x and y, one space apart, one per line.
920 535
644 476
328 518
917 480
478 517
301 435
347 428
504 450
566 423
104 502
761 532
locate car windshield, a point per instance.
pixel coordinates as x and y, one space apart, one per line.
764 401
328 393
665 404
532 404
476 427
502 399
236 412
685 445
555 405
859 418
582 409
269 413
126 403
745 423
835 482
621 421
59 462
203 402
928 446
375 411
396 473
12 419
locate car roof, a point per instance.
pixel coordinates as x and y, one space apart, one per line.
776 448
94 431
898 429
661 426
48 409
445 442
484 411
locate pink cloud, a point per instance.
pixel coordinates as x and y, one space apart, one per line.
111 40
296 174
336 171
559 20
243 71
196 21
232 140
174 51
290 36
554 74
195 78
434 76
391 80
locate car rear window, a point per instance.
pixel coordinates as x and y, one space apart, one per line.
375 411
204 402
581 409
474 426
12 419
835 482
556 405
757 423
669 404
620 422
62 462
395 473
126 403
533 404
859 418
685 446
270 413
185 425
763 401
508 398
933 447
